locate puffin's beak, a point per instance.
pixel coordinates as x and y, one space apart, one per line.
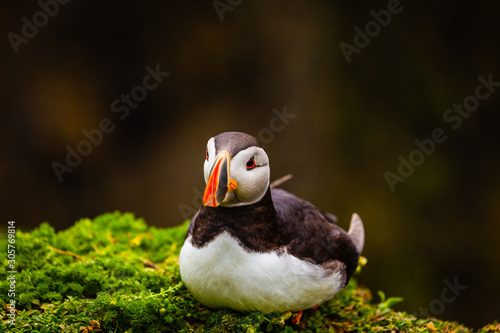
219 181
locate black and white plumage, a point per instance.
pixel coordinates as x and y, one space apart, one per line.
253 248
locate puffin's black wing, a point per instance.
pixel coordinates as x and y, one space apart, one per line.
329 217
313 237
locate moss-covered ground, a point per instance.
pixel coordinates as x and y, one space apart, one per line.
117 274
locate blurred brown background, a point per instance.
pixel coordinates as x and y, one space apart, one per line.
352 121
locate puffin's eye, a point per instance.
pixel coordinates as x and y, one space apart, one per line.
251 163
206 155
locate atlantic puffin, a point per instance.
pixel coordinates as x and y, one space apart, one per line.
251 247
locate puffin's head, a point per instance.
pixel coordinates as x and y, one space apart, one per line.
236 170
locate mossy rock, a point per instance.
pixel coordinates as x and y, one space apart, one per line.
117 274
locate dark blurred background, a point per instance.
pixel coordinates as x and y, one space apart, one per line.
352 121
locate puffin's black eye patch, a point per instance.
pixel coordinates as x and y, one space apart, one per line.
251 163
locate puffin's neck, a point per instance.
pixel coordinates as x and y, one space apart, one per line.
255 226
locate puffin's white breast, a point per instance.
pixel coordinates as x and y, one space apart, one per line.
224 275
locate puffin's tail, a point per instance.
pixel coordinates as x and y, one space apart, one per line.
357 232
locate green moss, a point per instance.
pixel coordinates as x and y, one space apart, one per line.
116 274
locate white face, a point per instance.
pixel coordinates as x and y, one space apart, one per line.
249 168
210 158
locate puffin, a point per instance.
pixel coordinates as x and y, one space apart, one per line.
254 247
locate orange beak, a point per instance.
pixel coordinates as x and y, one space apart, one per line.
219 181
